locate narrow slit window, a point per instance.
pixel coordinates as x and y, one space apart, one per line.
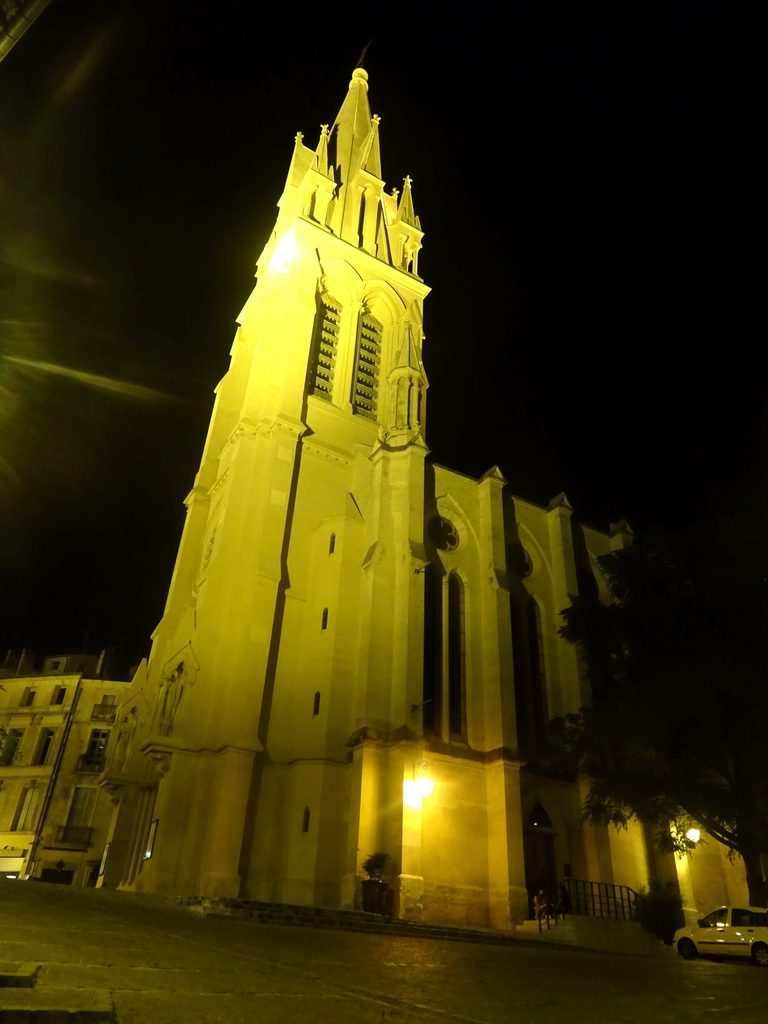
305 820
332 544
149 848
316 704
324 623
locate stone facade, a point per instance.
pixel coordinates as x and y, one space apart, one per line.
346 619
55 727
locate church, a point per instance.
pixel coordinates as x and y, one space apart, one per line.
359 650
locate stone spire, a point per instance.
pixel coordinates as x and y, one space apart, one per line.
352 128
339 186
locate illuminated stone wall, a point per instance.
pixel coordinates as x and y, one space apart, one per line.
346 620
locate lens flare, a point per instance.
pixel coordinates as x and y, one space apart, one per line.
93 380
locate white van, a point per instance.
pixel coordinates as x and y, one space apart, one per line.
729 931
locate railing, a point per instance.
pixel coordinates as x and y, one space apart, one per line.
89 763
602 899
74 835
104 712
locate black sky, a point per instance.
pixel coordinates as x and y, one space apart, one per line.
591 188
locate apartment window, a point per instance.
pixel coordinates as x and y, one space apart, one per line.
365 382
11 749
59 693
80 810
28 698
94 752
43 746
108 698
26 809
324 346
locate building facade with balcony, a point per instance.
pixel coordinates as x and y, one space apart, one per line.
54 729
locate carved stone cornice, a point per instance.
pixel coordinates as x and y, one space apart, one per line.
319 451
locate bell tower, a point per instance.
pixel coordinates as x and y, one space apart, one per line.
288 633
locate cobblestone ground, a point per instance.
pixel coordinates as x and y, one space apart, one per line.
161 964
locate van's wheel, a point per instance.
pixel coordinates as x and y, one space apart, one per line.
760 954
687 950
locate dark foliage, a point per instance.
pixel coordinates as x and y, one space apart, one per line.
678 665
374 864
661 910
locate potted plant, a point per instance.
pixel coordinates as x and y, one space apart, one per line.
374 890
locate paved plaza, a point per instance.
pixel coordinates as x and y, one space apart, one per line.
103 957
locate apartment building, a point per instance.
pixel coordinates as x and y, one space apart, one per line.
55 725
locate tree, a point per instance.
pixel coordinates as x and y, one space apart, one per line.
676 729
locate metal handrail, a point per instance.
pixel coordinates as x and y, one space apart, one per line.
602 899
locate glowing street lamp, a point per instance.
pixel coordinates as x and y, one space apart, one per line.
418 786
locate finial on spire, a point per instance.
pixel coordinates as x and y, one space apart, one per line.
405 211
363 52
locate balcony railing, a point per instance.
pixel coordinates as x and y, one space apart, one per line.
74 836
104 712
90 763
602 899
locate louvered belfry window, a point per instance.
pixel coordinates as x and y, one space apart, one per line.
365 386
324 348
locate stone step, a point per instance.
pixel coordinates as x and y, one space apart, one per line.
533 926
346 920
15 975
56 1006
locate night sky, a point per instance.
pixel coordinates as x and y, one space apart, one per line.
592 194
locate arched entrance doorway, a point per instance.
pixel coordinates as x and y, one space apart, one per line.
539 855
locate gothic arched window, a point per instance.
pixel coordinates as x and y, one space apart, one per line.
325 342
457 724
433 650
539 817
538 669
365 379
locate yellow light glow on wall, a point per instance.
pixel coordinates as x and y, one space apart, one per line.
424 786
411 796
420 786
285 253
